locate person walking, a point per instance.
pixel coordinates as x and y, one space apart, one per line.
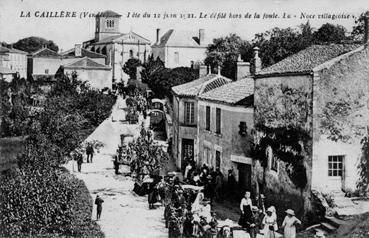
98 201
289 224
218 185
79 161
270 223
89 152
245 206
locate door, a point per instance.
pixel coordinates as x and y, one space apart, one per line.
187 151
336 171
244 178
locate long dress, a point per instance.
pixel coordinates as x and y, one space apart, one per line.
270 221
289 224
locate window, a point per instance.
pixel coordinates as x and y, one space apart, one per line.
218 121
109 23
207 119
176 57
189 113
207 155
243 128
217 159
335 165
46 71
131 53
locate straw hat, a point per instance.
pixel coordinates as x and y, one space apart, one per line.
270 209
290 212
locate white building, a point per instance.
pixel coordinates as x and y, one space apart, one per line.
13 61
180 48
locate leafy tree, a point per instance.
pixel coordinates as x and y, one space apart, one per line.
358 30
329 33
161 82
31 44
150 67
224 52
130 67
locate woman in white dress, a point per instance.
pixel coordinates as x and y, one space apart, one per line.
270 223
289 224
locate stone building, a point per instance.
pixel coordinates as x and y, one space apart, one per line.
96 74
330 88
78 53
185 114
180 48
116 46
43 63
12 61
225 125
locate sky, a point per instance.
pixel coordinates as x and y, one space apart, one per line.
66 32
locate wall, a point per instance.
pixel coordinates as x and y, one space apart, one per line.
41 64
73 59
343 80
98 79
229 142
186 55
16 62
277 186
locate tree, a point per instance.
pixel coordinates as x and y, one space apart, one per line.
130 67
31 44
277 44
358 30
329 33
161 82
150 67
224 52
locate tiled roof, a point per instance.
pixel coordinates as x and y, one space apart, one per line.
45 52
130 37
180 38
11 50
306 60
84 53
232 92
200 85
109 13
86 63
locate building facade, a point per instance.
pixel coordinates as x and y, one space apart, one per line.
13 61
185 115
329 87
225 129
117 47
180 48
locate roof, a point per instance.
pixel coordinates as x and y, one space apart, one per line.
200 85
108 13
306 60
84 53
11 50
86 63
45 52
231 93
4 70
180 39
130 37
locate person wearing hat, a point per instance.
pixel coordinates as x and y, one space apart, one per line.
289 224
270 223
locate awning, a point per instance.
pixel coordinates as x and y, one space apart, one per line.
241 159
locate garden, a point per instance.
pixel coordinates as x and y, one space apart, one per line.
40 198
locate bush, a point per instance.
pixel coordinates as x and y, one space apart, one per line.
45 203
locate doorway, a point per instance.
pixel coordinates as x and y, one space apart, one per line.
244 178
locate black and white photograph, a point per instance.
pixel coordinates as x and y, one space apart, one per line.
184 119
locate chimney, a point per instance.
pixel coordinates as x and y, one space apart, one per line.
243 69
366 29
257 60
78 50
157 35
201 36
203 70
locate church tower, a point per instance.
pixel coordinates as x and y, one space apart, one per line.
107 24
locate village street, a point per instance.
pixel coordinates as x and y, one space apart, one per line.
124 214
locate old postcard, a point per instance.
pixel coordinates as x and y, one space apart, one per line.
155 118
